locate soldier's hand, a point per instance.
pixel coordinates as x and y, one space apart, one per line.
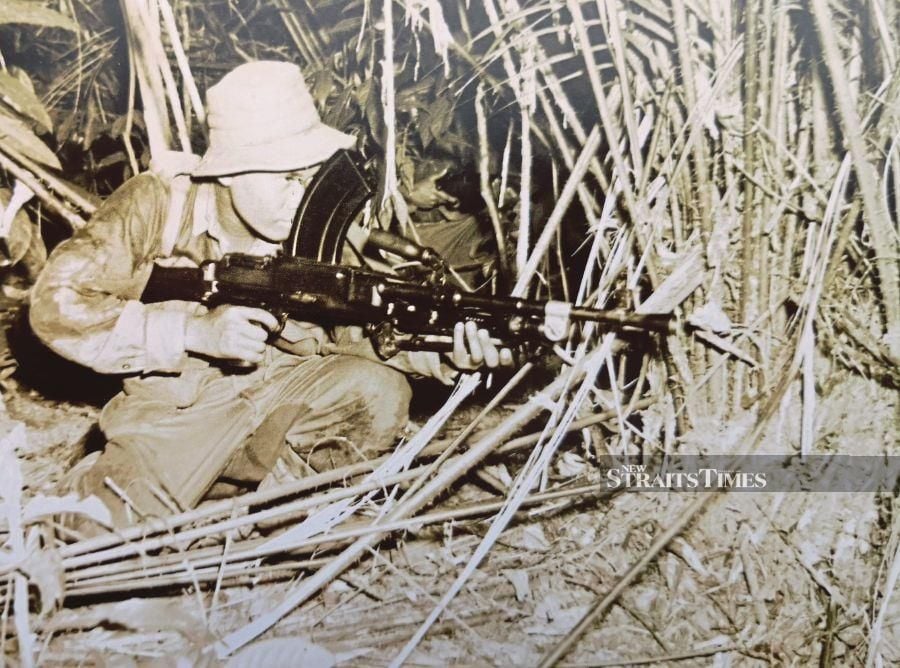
230 332
473 349
426 194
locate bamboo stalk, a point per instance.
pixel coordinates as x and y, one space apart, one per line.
75 221
236 577
206 567
165 71
230 506
484 182
556 89
771 87
303 43
184 67
265 515
885 245
748 292
534 471
559 210
525 111
153 96
608 9
84 201
701 160
612 132
588 204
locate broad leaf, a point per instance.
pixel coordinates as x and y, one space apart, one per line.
44 506
15 134
23 101
25 11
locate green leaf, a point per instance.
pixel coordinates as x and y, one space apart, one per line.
112 159
323 85
23 101
441 115
15 134
24 11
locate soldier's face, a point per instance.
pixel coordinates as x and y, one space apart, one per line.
267 201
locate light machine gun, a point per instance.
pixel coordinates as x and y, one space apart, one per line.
416 311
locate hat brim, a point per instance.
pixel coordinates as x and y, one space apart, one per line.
288 154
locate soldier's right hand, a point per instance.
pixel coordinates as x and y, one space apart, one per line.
230 332
427 194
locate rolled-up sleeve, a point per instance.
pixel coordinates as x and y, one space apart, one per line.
86 304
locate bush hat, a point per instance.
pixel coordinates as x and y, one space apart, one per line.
262 119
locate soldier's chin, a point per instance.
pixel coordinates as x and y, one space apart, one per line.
274 233
282 234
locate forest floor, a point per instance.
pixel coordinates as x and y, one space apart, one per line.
756 579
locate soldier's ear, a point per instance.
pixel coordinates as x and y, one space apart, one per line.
225 180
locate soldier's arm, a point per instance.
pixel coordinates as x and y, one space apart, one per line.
86 303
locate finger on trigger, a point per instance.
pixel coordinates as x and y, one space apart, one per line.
263 318
506 357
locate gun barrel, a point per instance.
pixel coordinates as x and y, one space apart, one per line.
618 319
657 322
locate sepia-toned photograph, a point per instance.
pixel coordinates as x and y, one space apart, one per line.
552 333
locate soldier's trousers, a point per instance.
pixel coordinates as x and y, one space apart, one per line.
175 437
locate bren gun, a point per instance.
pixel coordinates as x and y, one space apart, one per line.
398 312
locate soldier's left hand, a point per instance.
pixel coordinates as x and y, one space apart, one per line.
474 349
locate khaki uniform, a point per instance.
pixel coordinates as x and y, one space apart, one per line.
461 242
182 423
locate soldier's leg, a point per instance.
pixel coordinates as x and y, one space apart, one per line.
161 454
237 427
349 402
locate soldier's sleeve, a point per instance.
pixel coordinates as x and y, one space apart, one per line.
86 303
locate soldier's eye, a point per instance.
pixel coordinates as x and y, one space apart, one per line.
303 176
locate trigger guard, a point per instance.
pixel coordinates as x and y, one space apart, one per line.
282 322
275 334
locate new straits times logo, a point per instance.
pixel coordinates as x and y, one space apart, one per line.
640 477
753 473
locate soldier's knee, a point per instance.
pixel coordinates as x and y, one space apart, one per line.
373 381
383 386
384 391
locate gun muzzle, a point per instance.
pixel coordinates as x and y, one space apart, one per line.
655 322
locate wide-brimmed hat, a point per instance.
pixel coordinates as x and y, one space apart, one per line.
263 119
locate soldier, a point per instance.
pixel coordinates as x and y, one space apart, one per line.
187 424
458 230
